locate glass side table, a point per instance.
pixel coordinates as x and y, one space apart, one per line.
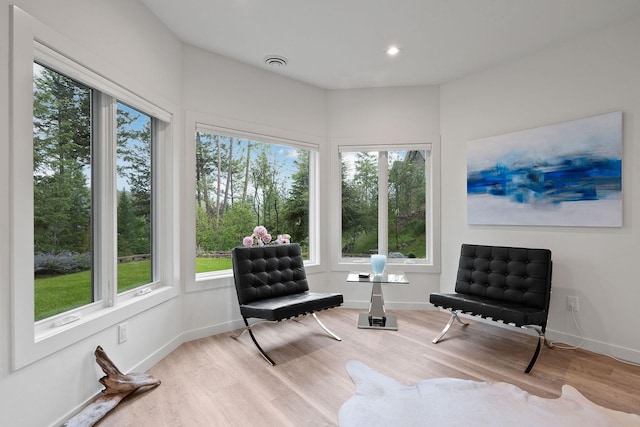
376 318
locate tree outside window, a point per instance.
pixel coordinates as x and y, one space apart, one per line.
392 182
62 158
65 189
133 162
242 183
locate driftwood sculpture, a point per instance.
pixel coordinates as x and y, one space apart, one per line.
117 387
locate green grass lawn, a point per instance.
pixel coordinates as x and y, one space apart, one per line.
57 294
212 264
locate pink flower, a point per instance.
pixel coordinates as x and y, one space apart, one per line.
283 239
262 237
260 231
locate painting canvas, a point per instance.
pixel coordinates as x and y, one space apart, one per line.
568 174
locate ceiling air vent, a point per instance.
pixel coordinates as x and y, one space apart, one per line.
275 61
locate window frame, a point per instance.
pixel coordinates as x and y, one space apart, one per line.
32 42
202 122
431 264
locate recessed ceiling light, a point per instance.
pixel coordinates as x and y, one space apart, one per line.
275 61
393 50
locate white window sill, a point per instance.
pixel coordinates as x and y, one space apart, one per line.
408 265
30 348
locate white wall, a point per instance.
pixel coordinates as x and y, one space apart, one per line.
231 90
585 77
143 56
5 294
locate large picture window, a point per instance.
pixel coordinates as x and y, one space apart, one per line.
384 203
92 235
71 194
243 182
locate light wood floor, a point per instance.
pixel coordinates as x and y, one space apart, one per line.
217 381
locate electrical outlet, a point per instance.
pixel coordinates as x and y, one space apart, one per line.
573 304
123 332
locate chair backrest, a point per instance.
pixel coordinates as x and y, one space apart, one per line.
516 275
262 272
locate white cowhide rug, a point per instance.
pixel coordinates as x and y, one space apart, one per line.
383 401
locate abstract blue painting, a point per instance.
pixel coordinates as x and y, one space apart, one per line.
567 174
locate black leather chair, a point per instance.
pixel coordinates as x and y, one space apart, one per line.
271 285
507 284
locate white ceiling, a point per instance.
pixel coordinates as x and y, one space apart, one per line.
340 44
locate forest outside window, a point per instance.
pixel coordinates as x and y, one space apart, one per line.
243 181
76 160
385 207
134 186
62 197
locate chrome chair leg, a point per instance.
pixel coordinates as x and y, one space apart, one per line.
541 334
246 328
541 339
264 354
454 316
253 338
334 336
235 337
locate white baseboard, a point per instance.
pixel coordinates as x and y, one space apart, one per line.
196 334
615 351
606 349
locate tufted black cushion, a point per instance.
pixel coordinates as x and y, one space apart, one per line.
502 283
271 283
